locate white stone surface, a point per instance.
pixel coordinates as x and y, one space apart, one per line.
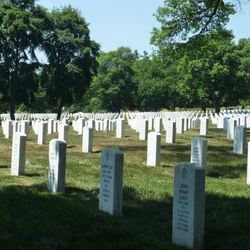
18 154
153 149
111 181
189 206
57 165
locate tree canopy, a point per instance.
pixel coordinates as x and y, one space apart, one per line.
21 29
71 58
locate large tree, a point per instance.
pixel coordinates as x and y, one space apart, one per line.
114 87
71 58
21 29
156 84
181 20
218 73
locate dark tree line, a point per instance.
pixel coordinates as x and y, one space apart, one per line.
196 63
63 36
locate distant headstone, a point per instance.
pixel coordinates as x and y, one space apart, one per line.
231 124
143 134
25 127
87 139
63 131
50 126
153 149
111 181
199 151
57 165
180 125
150 123
189 206
120 128
158 124
170 132
42 132
204 126
18 154
8 129
248 164
81 124
240 140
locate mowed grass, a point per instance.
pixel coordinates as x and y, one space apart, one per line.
33 218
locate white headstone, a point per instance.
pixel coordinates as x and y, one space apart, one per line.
248 164
87 139
180 125
199 151
81 124
42 132
50 126
231 124
8 129
204 126
63 131
170 132
158 124
143 134
189 206
111 181
153 149
57 165
18 154
240 140
120 127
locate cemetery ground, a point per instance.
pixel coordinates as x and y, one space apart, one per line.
31 217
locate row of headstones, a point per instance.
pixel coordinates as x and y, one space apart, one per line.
189 187
237 132
40 127
189 192
75 116
236 128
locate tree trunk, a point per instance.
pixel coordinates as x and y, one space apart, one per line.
12 98
217 105
59 110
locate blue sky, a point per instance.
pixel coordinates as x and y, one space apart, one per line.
115 23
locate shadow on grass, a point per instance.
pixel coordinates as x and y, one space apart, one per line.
3 166
33 218
33 174
226 171
227 223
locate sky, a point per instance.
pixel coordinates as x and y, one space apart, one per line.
129 23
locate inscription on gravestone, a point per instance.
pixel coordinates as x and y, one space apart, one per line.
18 154
57 165
111 180
189 205
240 140
199 151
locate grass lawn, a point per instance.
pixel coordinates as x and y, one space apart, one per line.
31 217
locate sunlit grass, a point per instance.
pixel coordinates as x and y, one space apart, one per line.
38 219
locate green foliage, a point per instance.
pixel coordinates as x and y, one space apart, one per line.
182 19
114 88
21 28
71 58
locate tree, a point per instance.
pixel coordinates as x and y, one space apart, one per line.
21 28
214 74
71 58
153 90
181 20
114 87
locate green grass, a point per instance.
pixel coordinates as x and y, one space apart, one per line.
33 218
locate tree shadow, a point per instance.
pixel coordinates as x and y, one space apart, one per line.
39 219
4 166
